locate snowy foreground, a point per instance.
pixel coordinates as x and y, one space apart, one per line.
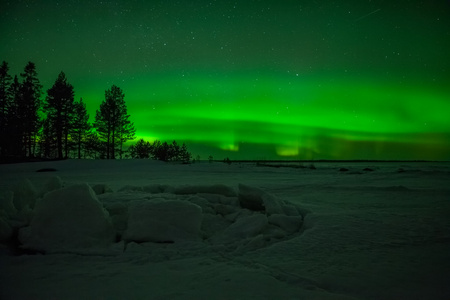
150 230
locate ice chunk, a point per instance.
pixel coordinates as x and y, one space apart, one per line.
213 224
272 204
203 203
22 218
131 188
158 188
252 244
68 219
256 199
211 198
116 208
6 231
249 226
238 214
118 212
162 220
250 198
53 183
25 194
223 210
290 224
6 204
290 210
101 188
243 228
233 201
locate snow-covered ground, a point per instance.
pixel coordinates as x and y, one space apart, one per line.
140 229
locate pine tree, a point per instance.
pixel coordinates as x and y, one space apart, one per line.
47 140
174 151
126 130
141 149
15 128
80 126
5 103
93 145
60 107
185 156
28 107
111 121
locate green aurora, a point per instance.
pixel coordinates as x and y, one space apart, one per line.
293 117
279 81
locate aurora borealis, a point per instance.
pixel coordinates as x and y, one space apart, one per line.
253 79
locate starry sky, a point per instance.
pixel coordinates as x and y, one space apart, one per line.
253 79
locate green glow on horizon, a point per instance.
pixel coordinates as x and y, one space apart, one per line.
292 116
297 116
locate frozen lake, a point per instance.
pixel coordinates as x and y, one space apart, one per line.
375 231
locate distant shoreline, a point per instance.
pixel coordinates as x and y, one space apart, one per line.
329 160
32 160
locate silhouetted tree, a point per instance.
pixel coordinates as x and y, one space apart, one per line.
141 149
60 108
164 152
126 130
185 155
174 151
47 140
15 128
28 107
93 146
5 104
80 126
156 149
160 151
111 121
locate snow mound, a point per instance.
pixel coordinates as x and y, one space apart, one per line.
163 220
68 219
245 227
87 218
7 206
6 231
25 195
101 188
256 199
289 224
52 184
216 216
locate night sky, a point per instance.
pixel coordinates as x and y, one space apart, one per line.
253 79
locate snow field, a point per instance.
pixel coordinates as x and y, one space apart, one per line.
303 234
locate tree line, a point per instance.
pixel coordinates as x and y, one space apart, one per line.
160 151
58 126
